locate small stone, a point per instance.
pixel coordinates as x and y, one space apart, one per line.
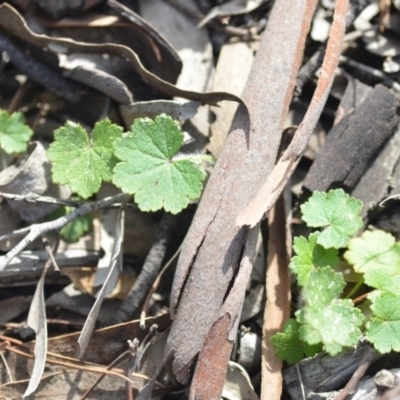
385 380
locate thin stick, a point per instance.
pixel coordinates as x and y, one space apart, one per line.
88 368
365 362
51 252
35 198
154 288
303 392
35 230
376 73
149 272
113 364
6 366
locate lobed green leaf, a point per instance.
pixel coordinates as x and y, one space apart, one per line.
288 346
309 255
151 170
326 319
337 213
81 162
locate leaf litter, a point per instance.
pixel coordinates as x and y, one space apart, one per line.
126 74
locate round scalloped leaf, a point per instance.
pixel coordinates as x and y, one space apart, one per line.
377 256
335 325
337 213
151 170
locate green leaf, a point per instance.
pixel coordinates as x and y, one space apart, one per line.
335 211
326 319
81 162
335 326
383 330
323 286
152 171
288 346
309 255
73 231
14 133
377 256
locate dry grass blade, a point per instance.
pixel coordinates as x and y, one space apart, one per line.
108 286
37 321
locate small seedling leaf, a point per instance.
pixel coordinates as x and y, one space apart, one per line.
151 170
288 346
337 213
323 286
14 133
309 254
81 162
326 319
336 325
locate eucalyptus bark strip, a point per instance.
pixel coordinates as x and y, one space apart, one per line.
212 250
266 197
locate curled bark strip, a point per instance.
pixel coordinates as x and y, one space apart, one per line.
14 23
276 181
40 72
213 248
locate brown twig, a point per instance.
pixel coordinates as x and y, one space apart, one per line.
360 299
51 252
149 272
365 362
117 361
384 15
18 97
82 367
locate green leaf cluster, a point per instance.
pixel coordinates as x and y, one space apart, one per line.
376 255
144 162
326 320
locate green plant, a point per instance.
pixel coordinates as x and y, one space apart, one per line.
328 320
14 133
143 162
